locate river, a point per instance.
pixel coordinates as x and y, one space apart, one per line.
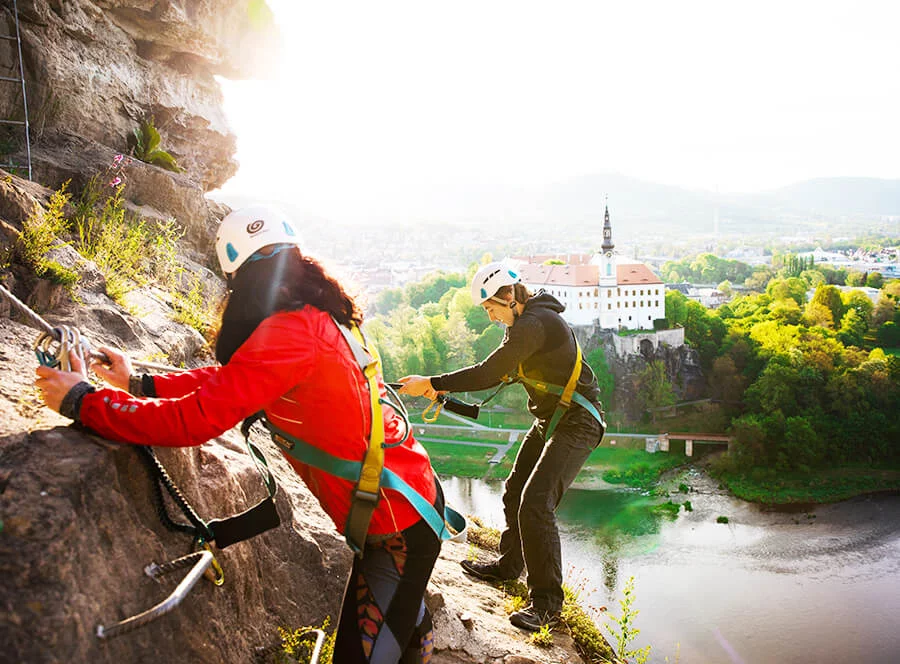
819 584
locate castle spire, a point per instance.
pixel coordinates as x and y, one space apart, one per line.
607 245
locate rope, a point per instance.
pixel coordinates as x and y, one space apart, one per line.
63 336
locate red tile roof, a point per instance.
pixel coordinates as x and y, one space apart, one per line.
635 274
569 259
560 275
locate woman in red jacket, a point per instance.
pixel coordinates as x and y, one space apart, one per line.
281 351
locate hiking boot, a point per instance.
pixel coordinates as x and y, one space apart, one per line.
533 619
485 571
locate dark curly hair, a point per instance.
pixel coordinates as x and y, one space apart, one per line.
286 281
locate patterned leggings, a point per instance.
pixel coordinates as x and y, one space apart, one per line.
383 615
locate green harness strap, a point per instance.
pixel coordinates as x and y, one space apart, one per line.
370 474
567 394
449 525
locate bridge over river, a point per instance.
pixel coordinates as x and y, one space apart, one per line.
503 439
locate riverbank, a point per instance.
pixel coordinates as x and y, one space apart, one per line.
822 486
616 467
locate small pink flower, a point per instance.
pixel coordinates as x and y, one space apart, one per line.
118 158
116 181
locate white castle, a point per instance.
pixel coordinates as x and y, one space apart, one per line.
603 289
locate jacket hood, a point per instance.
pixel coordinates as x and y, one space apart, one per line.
543 300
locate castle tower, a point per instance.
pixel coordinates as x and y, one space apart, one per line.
607 245
607 258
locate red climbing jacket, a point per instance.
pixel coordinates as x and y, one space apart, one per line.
297 367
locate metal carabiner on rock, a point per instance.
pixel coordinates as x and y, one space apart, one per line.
214 572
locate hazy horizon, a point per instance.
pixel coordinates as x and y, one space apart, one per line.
369 103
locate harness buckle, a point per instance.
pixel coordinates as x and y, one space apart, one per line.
282 442
366 496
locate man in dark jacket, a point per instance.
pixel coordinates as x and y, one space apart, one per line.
540 350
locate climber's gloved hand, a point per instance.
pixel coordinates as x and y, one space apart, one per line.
63 390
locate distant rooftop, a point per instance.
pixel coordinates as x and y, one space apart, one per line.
559 275
635 274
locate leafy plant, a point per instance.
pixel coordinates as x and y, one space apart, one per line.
722 519
144 144
296 646
687 506
622 628
117 243
668 509
40 232
481 536
193 308
588 638
543 638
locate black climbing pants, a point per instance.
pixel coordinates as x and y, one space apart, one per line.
542 472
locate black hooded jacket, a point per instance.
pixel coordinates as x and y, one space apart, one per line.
542 342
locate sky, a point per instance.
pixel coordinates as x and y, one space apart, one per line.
371 99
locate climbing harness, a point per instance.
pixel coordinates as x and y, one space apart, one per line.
370 474
567 393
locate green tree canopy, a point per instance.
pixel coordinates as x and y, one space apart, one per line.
654 389
875 280
830 297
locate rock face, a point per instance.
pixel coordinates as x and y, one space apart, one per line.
682 368
95 69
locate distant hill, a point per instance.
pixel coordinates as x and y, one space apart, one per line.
635 205
867 197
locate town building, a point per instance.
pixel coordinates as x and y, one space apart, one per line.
604 289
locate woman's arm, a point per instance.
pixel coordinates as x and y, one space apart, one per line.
275 358
117 371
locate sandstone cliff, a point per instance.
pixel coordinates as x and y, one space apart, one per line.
95 69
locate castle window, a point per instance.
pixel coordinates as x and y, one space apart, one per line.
618 291
642 302
657 303
642 291
596 292
609 292
626 305
608 307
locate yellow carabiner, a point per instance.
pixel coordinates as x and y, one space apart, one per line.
434 406
214 572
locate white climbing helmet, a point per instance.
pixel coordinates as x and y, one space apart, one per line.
244 232
489 279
